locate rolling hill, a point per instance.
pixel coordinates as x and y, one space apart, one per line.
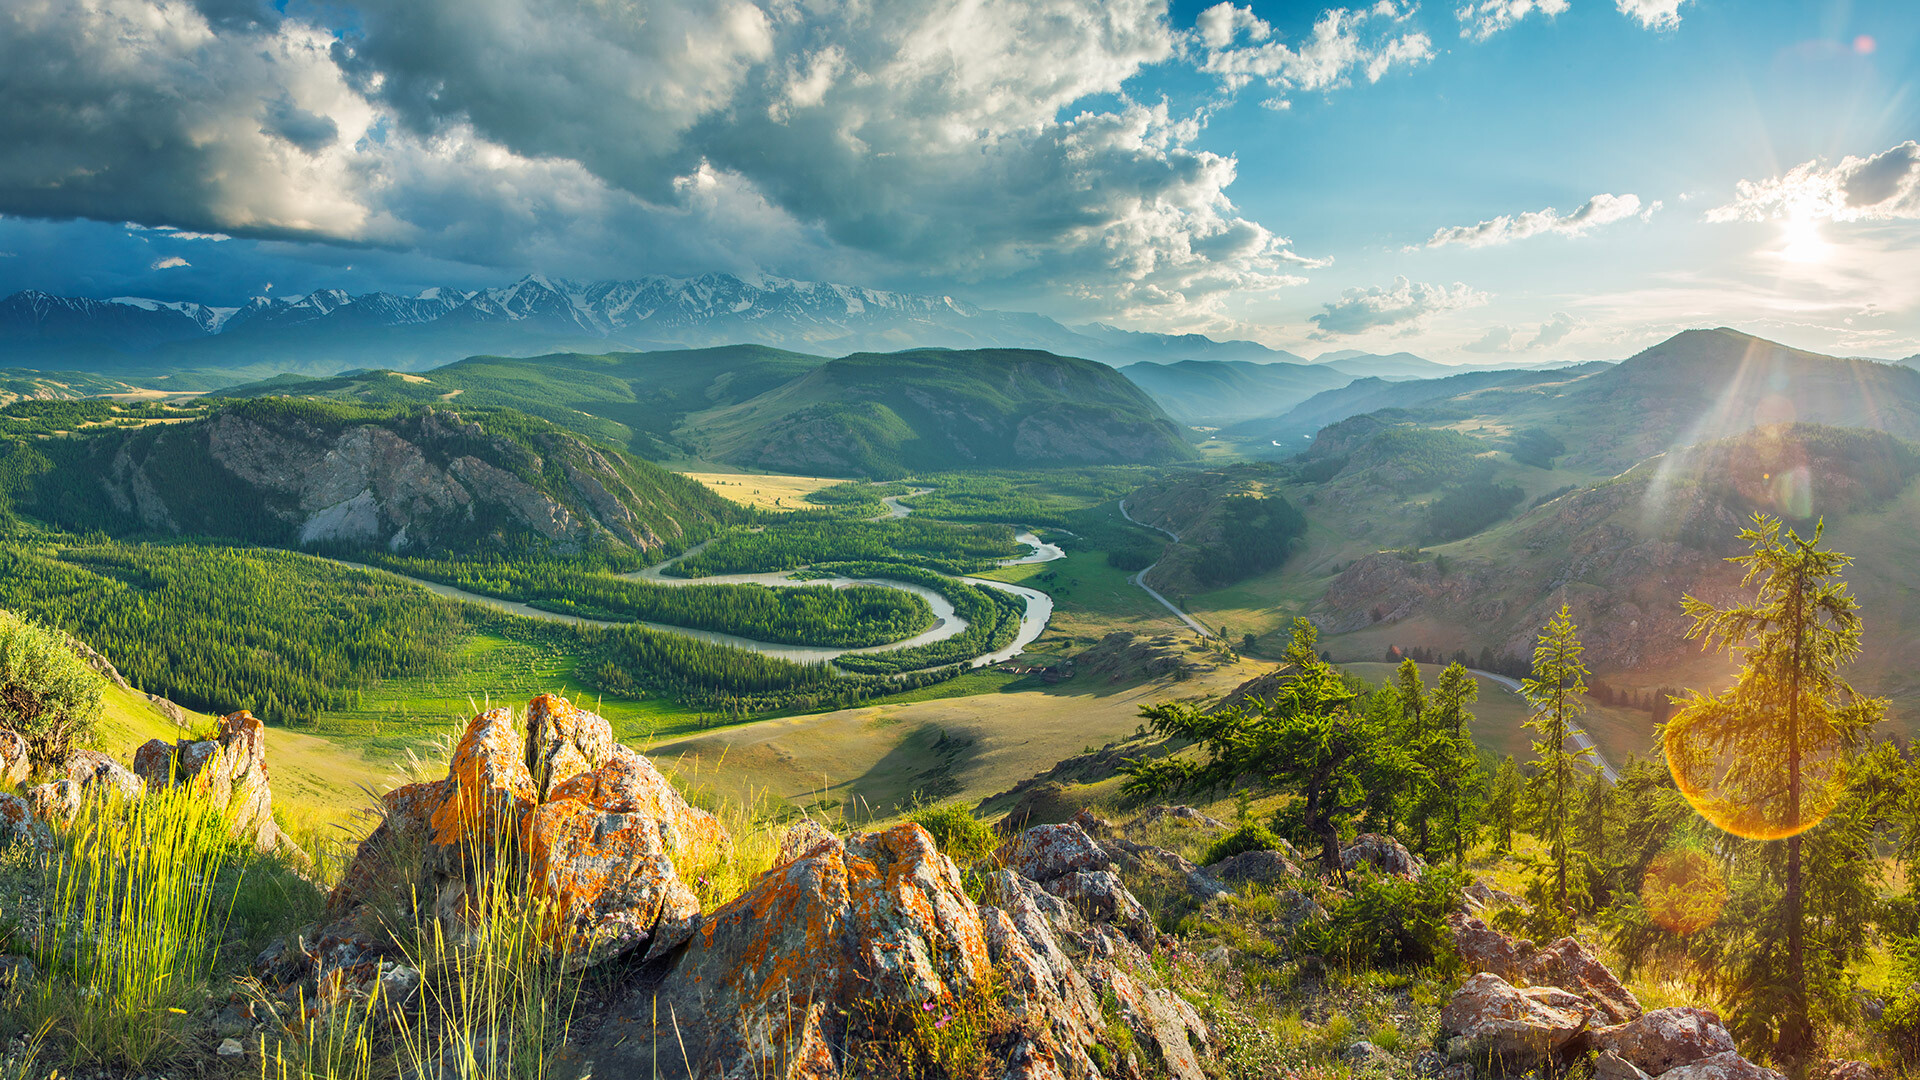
887 414
1220 392
290 472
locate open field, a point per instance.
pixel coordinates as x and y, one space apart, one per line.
764 491
867 761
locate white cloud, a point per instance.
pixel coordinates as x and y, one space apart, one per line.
1505 339
1481 19
1344 42
1883 187
1652 14
169 263
1403 302
1603 209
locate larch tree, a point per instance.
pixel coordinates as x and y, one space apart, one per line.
1555 691
1452 762
1766 759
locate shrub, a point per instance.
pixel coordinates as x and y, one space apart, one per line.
1387 921
1253 837
956 832
47 693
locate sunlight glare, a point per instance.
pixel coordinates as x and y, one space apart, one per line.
1804 244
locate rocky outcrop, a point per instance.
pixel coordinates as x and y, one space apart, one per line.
1565 964
596 853
230 770
15 763
1664 1039
1382 853
1506 1030
56 802
97 773
1727 1066
20 825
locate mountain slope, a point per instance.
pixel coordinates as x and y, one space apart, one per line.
893 413
1222 392
301 473
1366 395
631 399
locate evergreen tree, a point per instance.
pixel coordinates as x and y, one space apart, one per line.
1503 803
1595 827
1307 739
1554 692
1453 762
1765 759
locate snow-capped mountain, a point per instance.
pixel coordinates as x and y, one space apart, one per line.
331 330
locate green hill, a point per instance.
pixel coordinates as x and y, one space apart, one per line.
1226 391
631 399
888 414
287 471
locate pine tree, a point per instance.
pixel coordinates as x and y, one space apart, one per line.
1453 761
1765 759
1554 692
1503 803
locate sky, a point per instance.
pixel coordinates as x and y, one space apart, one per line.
1474 180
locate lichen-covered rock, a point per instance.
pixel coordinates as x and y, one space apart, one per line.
56 802
1259 867
1509 1030
1608 1065
19 825
803 838
627 783
563 741
393 858
1664 1038
96 773
1568 965
1099 896
1383 853
776 982
229 769
1046 852
607 880
1727 1066
1143 860
1851 1070
15 765
491 788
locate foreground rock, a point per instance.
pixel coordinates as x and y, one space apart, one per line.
1664 1039
15 762
818 969
1565 964
229 769
96 773
1506 1030
1383 853
592 843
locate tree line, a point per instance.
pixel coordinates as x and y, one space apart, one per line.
946 546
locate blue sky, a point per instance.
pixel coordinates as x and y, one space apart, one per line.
1536 179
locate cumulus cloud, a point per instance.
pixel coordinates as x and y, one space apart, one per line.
1481 19
1652 14
939 137
1506 339
1603 209
1403 302
1241 48
1882 187
169 263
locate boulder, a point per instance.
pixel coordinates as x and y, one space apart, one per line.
608 881
1382 853
1046 852
491 787
563 741
790 977
97 773
1142 860
1723 1066
229 769
1259 867
1507 1030
1480 896
1608 1065
1664 1039
803 838
1851 1070
1100 897
1566 964
19 825
15 764
55 803
627 783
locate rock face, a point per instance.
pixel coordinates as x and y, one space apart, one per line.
1382 853
1507 1030
1565 964
597 851
1664 1039
229 769
1726 1066
19 824
56 803
95 773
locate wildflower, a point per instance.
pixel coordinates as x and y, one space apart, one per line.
926 1006
942 1023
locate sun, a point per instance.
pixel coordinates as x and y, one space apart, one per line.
1803 242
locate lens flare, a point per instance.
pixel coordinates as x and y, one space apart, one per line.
1683 891
1730 757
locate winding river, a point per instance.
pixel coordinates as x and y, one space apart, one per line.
947 623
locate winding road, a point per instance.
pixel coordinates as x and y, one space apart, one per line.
1580 737
1139 579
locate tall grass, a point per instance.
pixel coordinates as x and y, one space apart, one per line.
135 912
